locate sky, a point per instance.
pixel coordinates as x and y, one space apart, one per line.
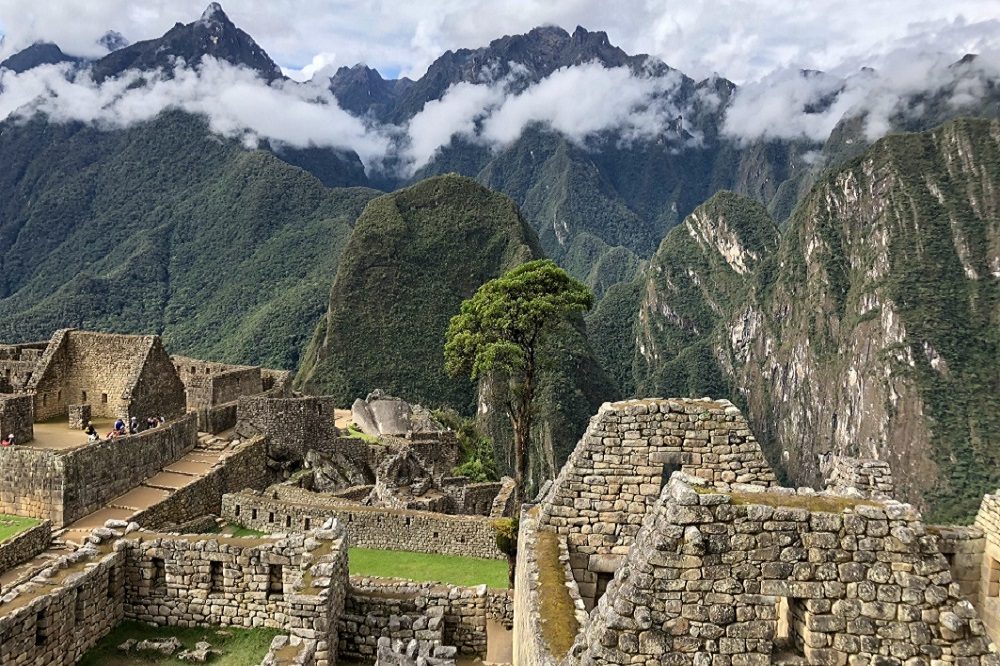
876 56
743 40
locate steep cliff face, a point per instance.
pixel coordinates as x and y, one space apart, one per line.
874 330
870 327
700 274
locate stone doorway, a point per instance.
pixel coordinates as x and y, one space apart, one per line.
790 633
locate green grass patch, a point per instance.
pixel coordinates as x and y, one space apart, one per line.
810 502
464 571
357 434
238 646
239 531
11 525
557 611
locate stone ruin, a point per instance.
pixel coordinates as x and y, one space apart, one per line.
666 539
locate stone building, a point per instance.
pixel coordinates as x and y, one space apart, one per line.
666 539
117 375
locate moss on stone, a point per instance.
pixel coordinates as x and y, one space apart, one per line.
556 607
824 503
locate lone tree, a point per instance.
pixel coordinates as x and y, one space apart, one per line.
498 331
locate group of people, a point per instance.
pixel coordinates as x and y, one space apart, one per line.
121 428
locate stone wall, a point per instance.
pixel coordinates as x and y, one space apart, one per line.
530 644
963 548
821 579
217 419
16 417
31 483
367 527
208 384
18 364
24 545
118 375
246 467
372 603
296 583
292 425
99 472
614 476
988 520
55 621
871 478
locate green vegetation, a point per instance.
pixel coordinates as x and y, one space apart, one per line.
165 228
499 333
465 571
352 431
556 608
238 646
240 531
478 461
11 525
810 502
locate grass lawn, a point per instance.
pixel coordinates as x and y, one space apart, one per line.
238 531
465 571
240 647
11 525
354 432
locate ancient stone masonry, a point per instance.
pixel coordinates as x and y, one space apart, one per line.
63 612
207 384
292 425
869 478
762 574
118 375
31 483
408 610
625 457
988 520
964 549
16 417
368 527
24 545
99 472
17 364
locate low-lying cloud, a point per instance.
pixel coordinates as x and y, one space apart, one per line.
236 102
905 83
580 102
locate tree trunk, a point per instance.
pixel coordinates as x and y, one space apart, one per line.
522 434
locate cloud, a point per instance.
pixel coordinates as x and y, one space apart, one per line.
743 40
234 100
791 104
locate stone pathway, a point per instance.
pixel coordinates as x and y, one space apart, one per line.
208 452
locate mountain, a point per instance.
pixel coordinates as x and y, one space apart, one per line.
412 259
871 328
164 228
36 55
212 35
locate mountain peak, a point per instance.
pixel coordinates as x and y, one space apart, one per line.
214 14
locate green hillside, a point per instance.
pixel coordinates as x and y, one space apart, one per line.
165 228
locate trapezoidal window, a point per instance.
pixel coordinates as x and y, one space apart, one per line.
216 583
104 398
668 469
83 396
790 635
993 589
604 578
41 628
275 580
159 580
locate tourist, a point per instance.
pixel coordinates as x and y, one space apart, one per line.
91 432
151 422
120 425
133 425
9 441
162 420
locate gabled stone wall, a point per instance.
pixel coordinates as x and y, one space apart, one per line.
209 384
24 545
719 574
18 363
614 476
118 375
292 425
